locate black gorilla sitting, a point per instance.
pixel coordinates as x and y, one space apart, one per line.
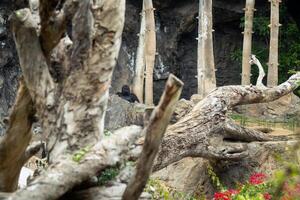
127 95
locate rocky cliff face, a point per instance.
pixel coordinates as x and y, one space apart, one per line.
176 26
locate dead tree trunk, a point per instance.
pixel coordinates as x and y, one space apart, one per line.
207 132
247 45
205 62
139 76
71 106
273 53
150 50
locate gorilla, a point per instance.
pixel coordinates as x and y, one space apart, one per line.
127 95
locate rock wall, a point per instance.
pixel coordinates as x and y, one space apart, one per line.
9 67
176 28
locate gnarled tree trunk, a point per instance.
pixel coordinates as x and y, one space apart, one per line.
207 132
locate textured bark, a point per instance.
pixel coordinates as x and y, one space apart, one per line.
150 50
139 76
78 119
207 132
247 45
13 154
273 53
205 62
154 132
67 173
71 111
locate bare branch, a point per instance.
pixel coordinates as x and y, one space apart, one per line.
154 132
16 140
35 71
261 74
71 170
54 22
202 131
235 132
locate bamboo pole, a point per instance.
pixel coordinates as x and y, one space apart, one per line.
138 80
273 53
205 62
247 44
150 50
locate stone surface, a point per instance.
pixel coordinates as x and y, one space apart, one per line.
121 113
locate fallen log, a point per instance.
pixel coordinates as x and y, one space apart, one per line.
206 131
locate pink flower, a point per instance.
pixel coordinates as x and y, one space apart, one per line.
257 178
267 196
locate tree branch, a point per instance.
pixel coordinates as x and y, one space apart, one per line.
154 133
235 132
35 71
203 132
16 140
54 22
67 173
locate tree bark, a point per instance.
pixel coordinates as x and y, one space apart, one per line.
150 50
273 54
205 62
14 143
68 172
247 45
139 76
72 110
207 132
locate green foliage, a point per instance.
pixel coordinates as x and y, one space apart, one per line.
289 43
159 190
107 133
108 175
77 157
214 178
284 184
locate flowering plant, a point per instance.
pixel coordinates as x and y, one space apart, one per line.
256 188
259 188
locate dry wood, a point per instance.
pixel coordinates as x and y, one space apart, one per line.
207 132
14 143
154 133
150 50
261 70
138 80
67 173
205 61
247 45
54 22
273 53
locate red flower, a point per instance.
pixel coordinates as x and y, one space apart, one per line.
257 178
221 196
267 196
